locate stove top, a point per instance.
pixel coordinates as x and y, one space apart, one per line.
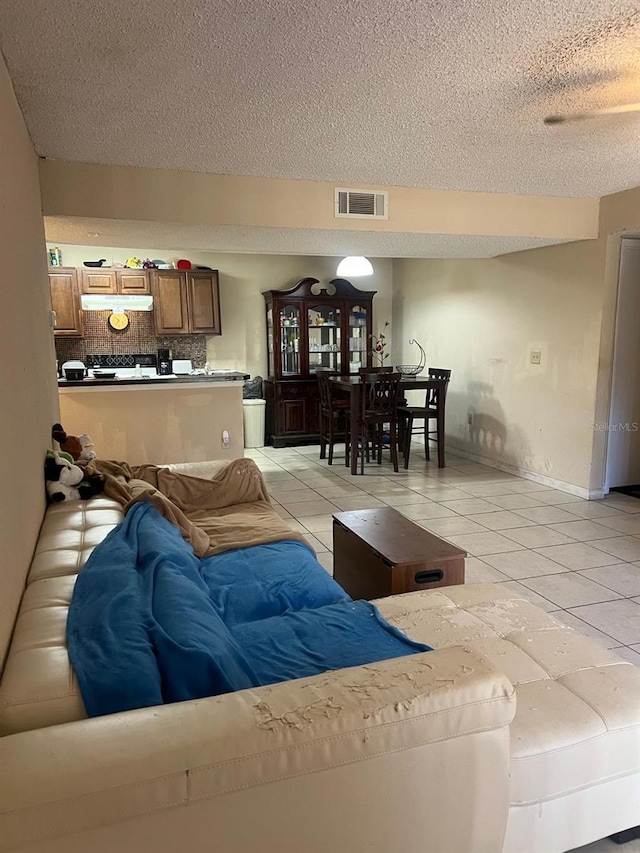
119 360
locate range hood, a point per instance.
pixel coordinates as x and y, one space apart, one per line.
108 302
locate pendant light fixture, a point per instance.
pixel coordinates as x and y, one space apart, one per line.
353 266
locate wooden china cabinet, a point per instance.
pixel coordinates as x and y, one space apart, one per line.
313 326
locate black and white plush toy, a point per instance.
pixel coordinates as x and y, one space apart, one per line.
68 482
62 478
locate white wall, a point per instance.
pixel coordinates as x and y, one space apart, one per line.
482 318
243 343
27 373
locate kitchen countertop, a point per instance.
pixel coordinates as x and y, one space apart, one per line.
90 383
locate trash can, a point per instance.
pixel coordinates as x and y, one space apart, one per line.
253 414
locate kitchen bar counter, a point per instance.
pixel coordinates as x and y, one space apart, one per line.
173 381
182 419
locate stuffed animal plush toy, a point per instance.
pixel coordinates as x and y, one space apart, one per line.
68 482
79 447
62 478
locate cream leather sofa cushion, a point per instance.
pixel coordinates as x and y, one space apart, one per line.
38 687
577 720
69 533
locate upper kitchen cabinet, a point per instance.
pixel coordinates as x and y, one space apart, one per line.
125 281
65 301
132 282
186 303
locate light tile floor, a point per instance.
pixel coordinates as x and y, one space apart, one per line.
577 559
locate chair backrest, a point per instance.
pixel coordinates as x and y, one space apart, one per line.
381 393
363 371
439 373
432 393
324 388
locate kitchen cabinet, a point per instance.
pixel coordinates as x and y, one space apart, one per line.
97 280
311 327
186 302
65 302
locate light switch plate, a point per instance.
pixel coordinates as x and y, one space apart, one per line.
536 356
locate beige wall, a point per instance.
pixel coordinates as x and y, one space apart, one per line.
243 343
117 192
158 424
620 212
482 318
27 377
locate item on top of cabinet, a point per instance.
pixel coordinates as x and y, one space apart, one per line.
198 267
183 264
149 265
133 263
55 257
161 265
95 263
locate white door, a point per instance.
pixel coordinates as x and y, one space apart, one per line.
623 448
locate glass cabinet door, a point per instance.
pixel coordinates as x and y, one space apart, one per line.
358 343
323 323
290 340
270 359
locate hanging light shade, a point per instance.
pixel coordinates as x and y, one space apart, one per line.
354 265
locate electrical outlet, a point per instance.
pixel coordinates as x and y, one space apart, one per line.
536 356
226 438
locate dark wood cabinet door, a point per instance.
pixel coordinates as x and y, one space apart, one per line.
98 281
170 311
292 411
293 414
65 301
132 282
204 302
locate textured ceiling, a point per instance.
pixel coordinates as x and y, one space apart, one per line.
280 241
384 92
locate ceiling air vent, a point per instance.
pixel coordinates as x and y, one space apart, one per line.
361 204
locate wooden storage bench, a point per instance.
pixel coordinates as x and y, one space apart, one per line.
379 552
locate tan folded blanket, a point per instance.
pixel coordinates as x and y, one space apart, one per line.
232 510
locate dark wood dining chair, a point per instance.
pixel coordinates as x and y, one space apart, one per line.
378 413
334 418
408 415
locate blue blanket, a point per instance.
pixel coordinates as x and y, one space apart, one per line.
150 623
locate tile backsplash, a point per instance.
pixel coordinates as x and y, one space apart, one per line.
139 336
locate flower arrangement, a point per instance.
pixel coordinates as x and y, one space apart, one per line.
378 345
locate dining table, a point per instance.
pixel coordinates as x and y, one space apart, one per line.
354 384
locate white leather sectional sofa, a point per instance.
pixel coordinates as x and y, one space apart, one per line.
517 735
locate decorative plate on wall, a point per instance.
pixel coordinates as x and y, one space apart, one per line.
118 320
